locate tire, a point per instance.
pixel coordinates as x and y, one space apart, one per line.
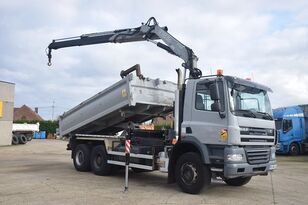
22 139
99 163
238 181
294 149
29 137
15 140
191 174
81 158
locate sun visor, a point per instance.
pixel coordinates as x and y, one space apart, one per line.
235 80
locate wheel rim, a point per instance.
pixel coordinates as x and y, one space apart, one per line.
98 160
294 149
189 174
79 157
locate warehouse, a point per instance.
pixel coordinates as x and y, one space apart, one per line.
6 112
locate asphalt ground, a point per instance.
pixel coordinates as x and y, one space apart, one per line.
42 172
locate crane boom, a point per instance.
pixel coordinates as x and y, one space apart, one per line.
146 32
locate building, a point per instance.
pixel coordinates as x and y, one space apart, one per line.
25 113
7 91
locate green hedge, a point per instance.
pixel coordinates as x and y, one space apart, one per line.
162 127
49 126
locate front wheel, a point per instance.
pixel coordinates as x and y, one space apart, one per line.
294 149
191 174
238 181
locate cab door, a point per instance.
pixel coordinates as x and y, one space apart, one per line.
208 117
287 129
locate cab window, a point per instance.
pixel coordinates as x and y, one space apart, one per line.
203 99
287 125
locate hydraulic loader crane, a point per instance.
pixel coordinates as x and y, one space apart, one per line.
150 31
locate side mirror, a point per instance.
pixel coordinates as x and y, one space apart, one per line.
214 93
215 106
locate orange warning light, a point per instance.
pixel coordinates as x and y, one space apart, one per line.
248 78
220 71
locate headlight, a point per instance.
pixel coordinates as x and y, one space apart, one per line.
234 157
270 132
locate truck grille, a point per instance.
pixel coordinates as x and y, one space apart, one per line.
257 156
254 135
257 131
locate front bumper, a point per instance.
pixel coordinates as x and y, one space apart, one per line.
254 161
278 147
244 169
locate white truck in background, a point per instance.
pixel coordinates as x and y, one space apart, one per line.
23 132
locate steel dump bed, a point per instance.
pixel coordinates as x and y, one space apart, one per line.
130 99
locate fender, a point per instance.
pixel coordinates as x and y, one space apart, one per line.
202 148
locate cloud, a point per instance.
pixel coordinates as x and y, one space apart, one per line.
262 39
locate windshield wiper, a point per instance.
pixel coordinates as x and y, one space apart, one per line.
249 112
266 115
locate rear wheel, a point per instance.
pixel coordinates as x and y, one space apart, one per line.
191 174
294 149
22 139
15 140
99 163
238 181
81 158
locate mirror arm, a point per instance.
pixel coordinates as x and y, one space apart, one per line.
221 114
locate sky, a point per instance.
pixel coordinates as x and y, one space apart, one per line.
264 40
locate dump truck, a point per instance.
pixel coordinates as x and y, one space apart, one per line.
23 132
292 127
223 125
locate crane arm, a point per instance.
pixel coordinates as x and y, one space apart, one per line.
146 32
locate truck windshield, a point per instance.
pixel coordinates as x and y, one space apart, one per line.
249 102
